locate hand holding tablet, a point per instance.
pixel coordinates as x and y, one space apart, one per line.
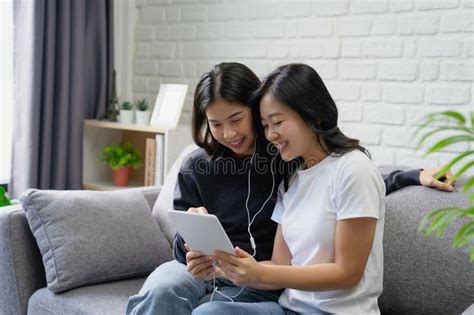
202 232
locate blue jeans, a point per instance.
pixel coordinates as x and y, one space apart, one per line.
240 308
171 289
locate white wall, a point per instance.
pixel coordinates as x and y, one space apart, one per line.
386 63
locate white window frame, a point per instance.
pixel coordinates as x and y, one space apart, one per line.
6 89
125 20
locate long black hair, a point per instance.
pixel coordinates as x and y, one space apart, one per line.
229 81
300 87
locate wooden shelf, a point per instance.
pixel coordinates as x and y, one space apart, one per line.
98 134
107 186
119 126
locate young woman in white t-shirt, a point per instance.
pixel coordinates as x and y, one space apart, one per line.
328 246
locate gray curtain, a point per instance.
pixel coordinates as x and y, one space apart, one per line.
63 63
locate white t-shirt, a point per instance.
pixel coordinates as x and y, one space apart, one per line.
337 188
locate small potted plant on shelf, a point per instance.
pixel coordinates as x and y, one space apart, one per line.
122 158
143 114
126 113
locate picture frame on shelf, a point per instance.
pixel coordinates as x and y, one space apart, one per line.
168 105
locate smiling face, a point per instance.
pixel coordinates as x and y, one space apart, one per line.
286 129
231 125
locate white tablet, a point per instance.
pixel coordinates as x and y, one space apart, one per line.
202 232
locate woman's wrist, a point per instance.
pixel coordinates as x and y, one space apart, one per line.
262 271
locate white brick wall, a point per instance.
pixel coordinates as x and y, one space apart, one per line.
386 62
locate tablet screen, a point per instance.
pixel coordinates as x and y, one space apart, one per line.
202 232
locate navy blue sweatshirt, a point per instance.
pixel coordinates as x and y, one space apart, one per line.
221 185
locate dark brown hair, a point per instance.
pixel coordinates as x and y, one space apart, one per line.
229 81
300 87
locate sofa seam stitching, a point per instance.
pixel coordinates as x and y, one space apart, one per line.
47 238
128 275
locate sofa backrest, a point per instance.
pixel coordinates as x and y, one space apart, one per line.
422 275
165 198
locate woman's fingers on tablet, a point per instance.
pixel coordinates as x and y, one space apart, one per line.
201 210
220 273
194 261
207 274
188 248
227 257
196 265
193 255
225 265
226 269
203 271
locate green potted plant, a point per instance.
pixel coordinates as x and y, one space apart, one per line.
142 113
460 129
126 113
122 158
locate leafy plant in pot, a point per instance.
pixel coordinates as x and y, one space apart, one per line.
122 158
142 113
457 129
126 113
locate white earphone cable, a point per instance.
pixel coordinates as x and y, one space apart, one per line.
250 222
252 240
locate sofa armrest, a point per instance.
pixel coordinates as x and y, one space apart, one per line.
21 266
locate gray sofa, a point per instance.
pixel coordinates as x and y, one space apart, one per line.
422 274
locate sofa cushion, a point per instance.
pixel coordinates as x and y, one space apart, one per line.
164 201
109 298
88 237
422 274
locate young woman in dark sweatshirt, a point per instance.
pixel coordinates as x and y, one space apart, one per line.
234 175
